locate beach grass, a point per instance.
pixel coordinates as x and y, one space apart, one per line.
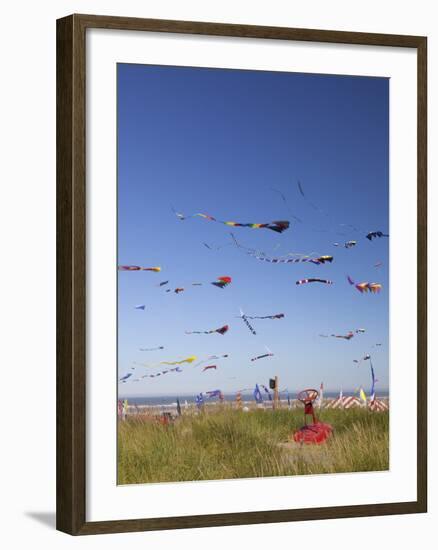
229 444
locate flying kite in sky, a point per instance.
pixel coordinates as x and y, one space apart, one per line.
190 359
247 323
222 282
366 357
365 286
221 330
277 226
124 378
348 244
276 316
291 258
374 234
313 280
143 307
138 268
151 349
268 354
211 358
209 367
347 336
163 283
378 264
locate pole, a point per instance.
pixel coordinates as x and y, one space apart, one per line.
276 401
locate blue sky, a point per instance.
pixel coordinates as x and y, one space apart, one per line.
219 141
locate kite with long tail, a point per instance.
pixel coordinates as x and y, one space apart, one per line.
268 354
190 359
313 280
291 258
277 226
365 286
347 336
138 268
247 323
221 330
276 316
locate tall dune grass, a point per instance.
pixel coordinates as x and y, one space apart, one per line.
231 444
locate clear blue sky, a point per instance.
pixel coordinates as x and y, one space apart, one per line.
218 141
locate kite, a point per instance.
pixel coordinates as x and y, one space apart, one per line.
245 320
124 378
348 336
222 282
151 349
359 331
378 264
374 234
313 280
276 316
277 226
374 288
163 283
143 307
373 382
348 244
176 369
211 358
268 354
291 258
366 357
209 367
178 290
138 268
190 359
221 330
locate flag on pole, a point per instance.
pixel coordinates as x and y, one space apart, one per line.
257 394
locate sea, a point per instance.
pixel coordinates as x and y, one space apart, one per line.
169 400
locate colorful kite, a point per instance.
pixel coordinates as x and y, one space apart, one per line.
221 330
313 280
348 336
374 288
222 282
138 268
291 258
374 234
209 367
190 359
277 226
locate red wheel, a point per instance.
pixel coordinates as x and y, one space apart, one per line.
308 396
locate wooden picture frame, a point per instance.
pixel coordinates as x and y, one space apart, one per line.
71 273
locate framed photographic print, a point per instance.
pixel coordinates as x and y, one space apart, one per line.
241 283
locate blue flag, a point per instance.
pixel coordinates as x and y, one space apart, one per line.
257 394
